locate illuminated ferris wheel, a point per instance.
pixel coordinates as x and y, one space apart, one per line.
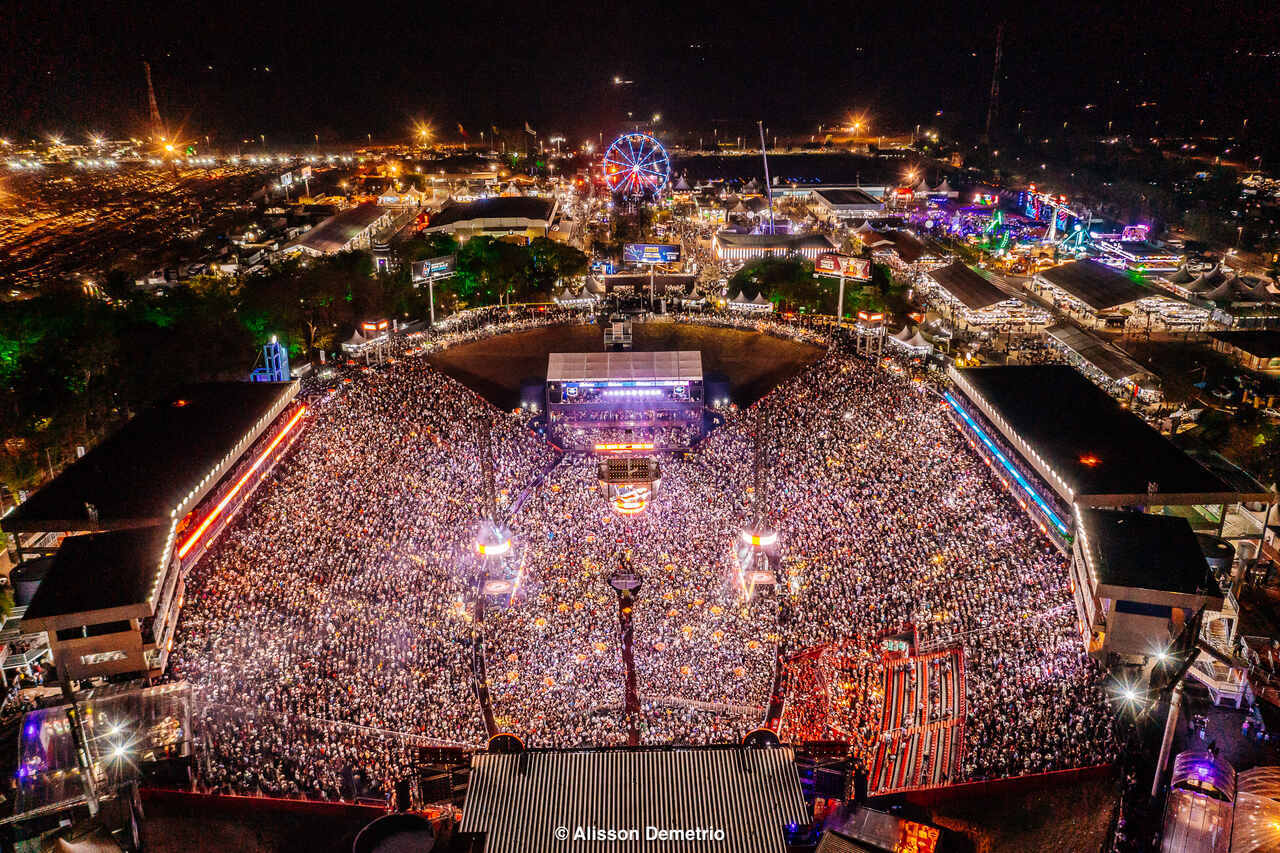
636 166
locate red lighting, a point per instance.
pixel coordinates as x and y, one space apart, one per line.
1090 460
222 504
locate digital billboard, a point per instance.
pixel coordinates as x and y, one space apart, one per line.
830 263
434 268
651 253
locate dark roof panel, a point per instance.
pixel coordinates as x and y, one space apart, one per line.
972 288
499 207
775 241
100 571
1260 343
1156 552
144 471
1096 446
848 197
1095 284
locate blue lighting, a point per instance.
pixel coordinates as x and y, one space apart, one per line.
1008 466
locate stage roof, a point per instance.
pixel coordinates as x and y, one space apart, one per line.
1084 444
1096 285
146 469
624 366
974 290
1140 551
540 802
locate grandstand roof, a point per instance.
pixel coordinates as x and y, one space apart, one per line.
1084 444
143 472
624 366
99 572
538 802
973 289
334 233
1132 550
1096 285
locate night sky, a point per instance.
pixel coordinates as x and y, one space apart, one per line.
353 69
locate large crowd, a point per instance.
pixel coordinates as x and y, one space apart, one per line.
330 632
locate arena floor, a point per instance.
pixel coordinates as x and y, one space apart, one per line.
753 362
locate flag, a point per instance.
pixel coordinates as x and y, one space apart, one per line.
461 130
528 129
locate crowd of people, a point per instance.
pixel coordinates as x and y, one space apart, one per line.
329 633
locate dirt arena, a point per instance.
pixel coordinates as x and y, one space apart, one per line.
753 362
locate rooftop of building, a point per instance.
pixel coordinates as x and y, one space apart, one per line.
1114 364
1259 343
1095 284
1099 449
145 470
1141 551
847 197
527 208
738 240
972 288
101 571
338 230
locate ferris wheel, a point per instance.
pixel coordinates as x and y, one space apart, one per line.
636 166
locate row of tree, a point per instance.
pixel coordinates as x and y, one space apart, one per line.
792 285
74 366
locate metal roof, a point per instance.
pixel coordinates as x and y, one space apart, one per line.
624 366
619 799
1133 550
497 212
1088 448
791 242
1115 364
1096 285
162 461
340 229
973 289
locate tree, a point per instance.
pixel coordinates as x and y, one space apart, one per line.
788 282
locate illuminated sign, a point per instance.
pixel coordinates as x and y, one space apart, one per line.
375 326
494 550
759 540
831 263
651 253
615 448
434 268
916 838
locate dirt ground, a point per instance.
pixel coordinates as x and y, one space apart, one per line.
754 362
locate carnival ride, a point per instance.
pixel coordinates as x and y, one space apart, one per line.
636 167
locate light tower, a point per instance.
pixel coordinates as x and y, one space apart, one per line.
153 109
492 543
758 552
